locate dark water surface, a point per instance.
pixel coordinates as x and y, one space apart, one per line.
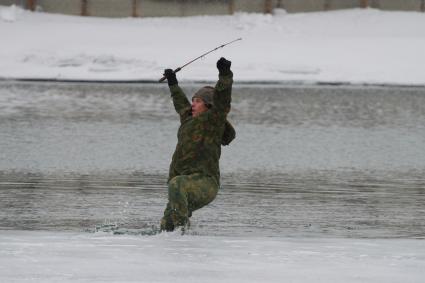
308 160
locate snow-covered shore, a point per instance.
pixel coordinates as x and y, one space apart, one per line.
68 257
349 46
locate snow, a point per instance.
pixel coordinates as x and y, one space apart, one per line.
69 257
349 46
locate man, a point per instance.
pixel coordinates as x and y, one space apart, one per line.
194 176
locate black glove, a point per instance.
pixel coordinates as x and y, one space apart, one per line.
171 77
223 66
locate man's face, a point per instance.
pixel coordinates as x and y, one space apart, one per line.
198 106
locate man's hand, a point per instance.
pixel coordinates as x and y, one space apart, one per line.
171 77
223 66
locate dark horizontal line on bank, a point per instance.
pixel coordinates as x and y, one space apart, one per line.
238 83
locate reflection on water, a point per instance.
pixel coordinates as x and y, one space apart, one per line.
329 161
349 204
291 106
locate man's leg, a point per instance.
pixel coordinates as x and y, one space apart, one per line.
202 191
176 212
187 193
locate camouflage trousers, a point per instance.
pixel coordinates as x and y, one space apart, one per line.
187 193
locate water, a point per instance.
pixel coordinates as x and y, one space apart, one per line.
307 161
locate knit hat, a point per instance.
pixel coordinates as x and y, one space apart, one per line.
206 94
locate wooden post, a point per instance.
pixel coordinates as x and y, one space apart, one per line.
280 4
268 7
375 4
327 5
31 4
84 8
135 12
364 3
231 7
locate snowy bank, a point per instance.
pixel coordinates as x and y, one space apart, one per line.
348 46
69 257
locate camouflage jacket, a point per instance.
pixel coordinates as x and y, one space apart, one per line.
198 147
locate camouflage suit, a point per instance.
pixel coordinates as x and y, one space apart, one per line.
194 175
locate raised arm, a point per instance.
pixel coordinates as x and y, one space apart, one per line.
223 88
180 101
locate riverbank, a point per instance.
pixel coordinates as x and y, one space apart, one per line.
360 47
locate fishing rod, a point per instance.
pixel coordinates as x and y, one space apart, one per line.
218 47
